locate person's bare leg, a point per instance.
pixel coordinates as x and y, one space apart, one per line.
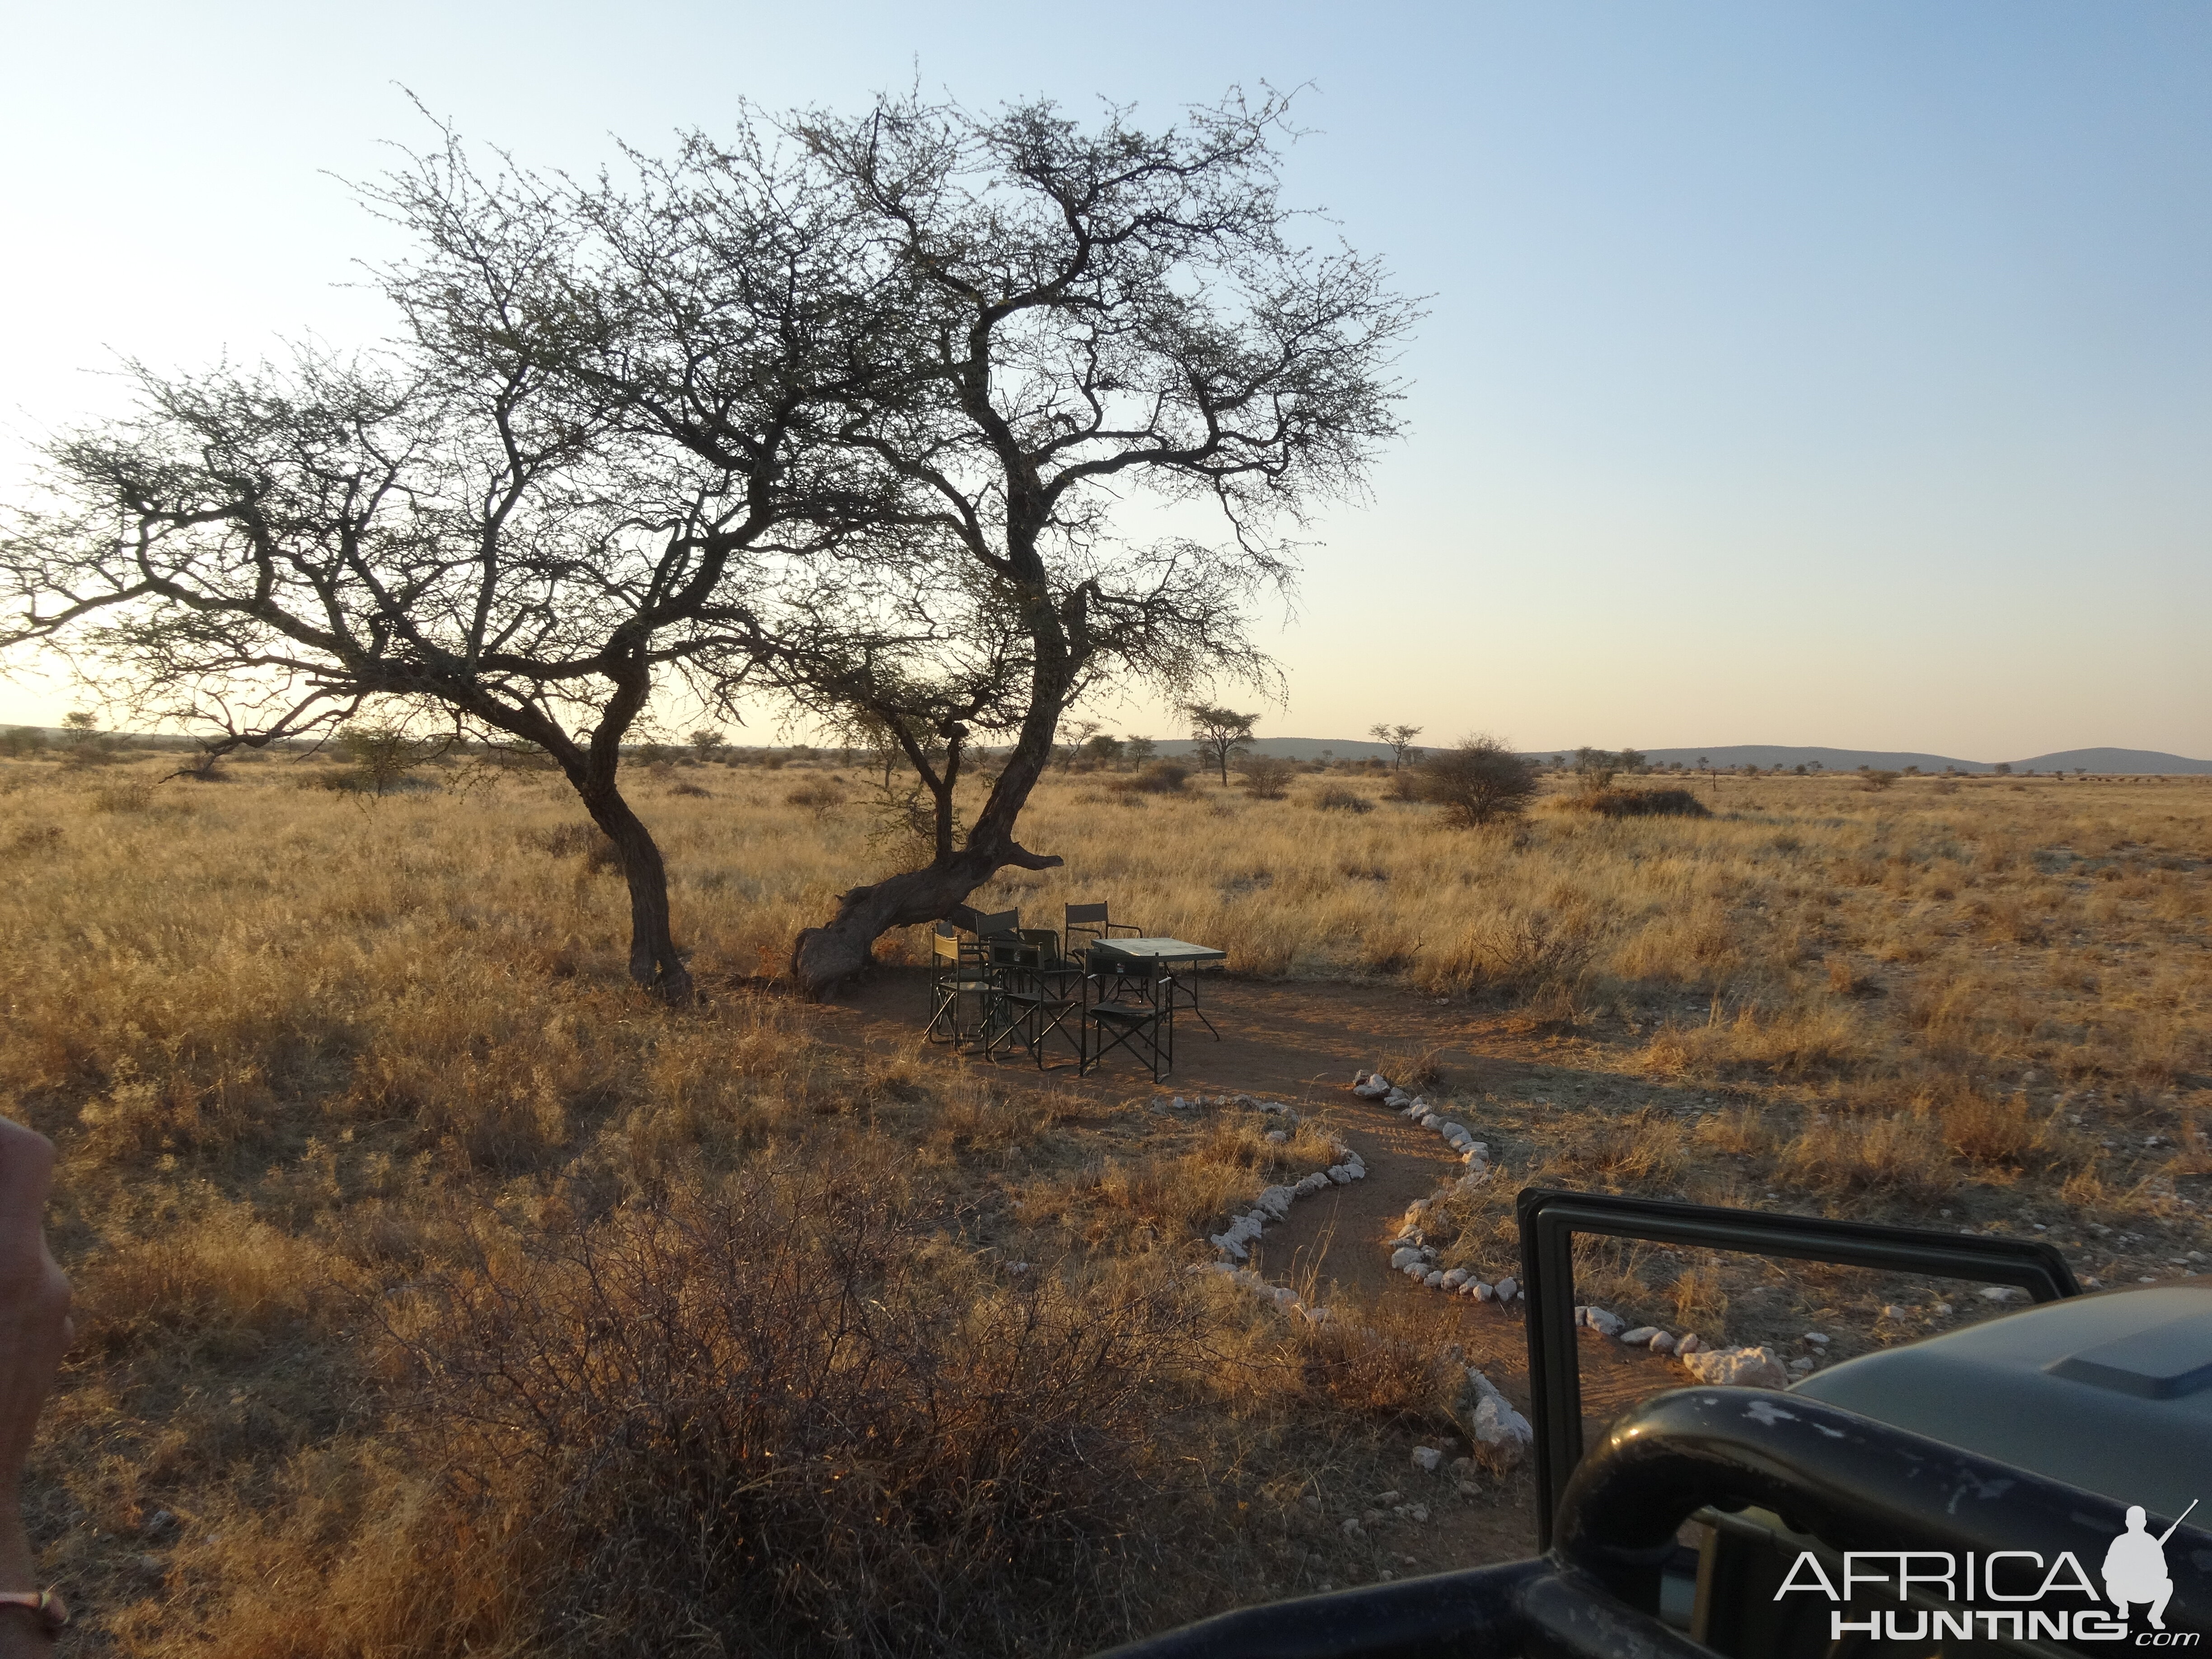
34 1330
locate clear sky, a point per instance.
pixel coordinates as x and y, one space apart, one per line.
1824 373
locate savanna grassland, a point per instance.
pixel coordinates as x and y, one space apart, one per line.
437 1293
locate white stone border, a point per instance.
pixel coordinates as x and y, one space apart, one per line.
1272 1206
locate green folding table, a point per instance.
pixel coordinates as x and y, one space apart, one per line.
1155 955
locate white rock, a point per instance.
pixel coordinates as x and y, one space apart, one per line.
1738 1368
1800 1366
1278 1136
1818 1339
1427 1459
1480 1291
1689 1344
1507 1289
1339 1174
1317 1316
1355 1172
1998 1292
1179 1104
1402 1258
1419 1271
1374 1088
1276 1201
1492 1419
1284 1297
1228 1246
1433 1281
1353 1528
1662 1343
1604 1323
1430 1120
1454 1278
1641 1335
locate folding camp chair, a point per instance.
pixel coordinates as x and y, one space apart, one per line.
959 990
1132 1010
1089 922
1034 993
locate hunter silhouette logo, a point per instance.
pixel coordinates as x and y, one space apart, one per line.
2135 1566
1949 1596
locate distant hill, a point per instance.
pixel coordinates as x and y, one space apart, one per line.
1849 760
1726 757
2112 760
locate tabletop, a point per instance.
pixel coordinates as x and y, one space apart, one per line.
1158 949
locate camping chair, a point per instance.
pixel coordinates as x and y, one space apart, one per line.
955 976
1135 1011
1089 923
1092 923
1034 993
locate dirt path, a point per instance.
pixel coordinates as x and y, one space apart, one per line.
1303 1042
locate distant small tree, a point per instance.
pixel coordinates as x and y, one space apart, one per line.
1138 751
707 742
1076 735
1878 780
382 756
2001 770
1479 779
1221 734
1102 749
1400 740
1595 768
1634 760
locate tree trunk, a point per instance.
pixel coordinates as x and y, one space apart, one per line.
823 956
653 962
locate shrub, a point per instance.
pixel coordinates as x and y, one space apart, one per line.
1642 804
1159 778
1338 798
1478 780
124 797
818 799
772 1410
1267 777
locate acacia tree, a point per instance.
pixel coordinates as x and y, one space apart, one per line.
1091 314
1401 741
1220 735
464 525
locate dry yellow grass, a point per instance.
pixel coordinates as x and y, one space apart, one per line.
324 1072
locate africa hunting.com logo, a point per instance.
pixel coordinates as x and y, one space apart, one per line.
2134 1574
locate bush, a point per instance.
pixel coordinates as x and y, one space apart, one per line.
775 1413
1642 804
1160 778
1267 777
1478 780
1338 798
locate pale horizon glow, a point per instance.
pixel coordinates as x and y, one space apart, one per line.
1795 373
